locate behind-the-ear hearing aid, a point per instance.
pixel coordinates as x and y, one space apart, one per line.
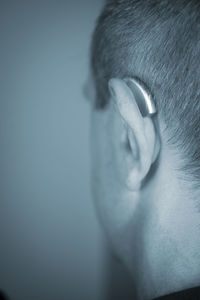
142 96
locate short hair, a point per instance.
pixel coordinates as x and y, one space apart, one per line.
159 42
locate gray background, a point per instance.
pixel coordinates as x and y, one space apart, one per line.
51 245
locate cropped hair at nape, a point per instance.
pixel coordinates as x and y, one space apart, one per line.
159 42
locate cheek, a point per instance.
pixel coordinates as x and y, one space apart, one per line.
104 183
113 202
108 190
101 152
109 156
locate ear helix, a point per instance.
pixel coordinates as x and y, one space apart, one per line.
145 102
142 96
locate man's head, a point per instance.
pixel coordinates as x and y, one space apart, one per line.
146 170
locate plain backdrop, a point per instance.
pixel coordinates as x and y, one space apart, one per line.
50 242
51 245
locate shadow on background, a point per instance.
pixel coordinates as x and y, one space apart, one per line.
3 296
119 282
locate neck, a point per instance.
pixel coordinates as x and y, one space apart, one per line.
171 236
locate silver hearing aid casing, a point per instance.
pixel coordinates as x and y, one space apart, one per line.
142 96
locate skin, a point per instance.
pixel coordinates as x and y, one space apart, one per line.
142 201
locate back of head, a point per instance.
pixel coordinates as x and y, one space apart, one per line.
159 42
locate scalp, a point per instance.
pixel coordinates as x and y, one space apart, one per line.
159 42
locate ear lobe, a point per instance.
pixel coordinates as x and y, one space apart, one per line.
143 140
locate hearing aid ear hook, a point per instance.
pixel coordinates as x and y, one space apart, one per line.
142 96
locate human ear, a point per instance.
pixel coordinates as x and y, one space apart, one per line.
140 130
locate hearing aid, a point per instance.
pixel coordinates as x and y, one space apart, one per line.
142 96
